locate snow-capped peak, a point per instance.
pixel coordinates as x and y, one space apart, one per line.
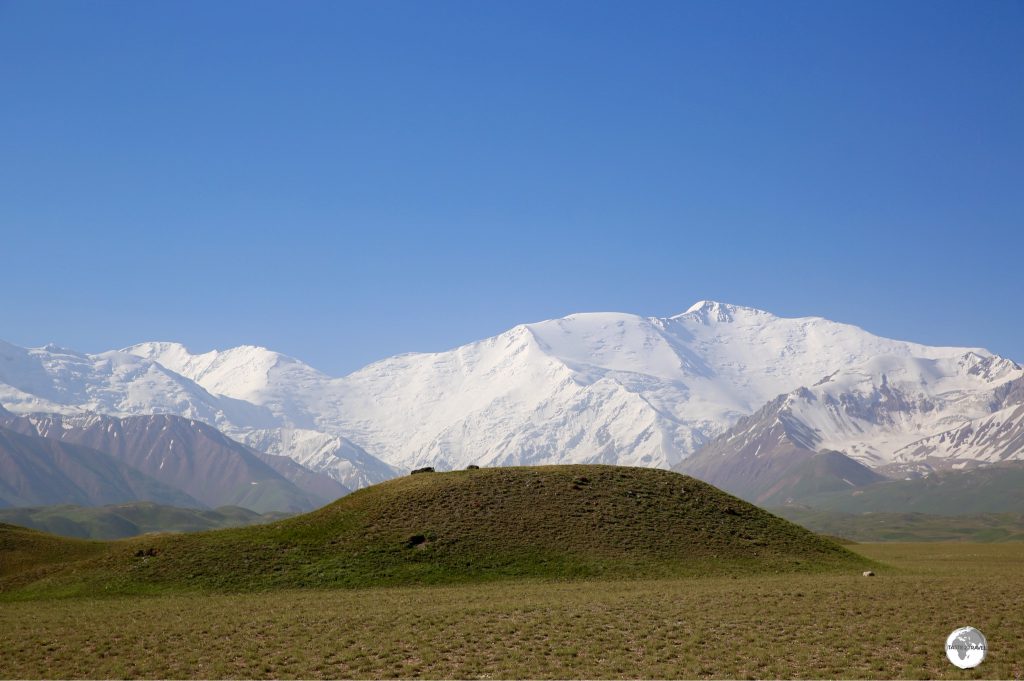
705 305
180 359
711 311
244 372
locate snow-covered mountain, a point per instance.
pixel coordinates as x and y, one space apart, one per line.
58 380
874 409
830 436
333 455
596 387
121 383
770 457
606 387
993 438
291 391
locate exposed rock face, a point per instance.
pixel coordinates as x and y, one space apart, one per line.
36 471
771 457
190 456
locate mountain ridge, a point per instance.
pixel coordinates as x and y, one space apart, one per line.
589 387
40 471
189 456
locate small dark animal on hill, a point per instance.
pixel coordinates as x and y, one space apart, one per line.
426 469
472 467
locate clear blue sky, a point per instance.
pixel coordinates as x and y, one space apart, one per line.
342 181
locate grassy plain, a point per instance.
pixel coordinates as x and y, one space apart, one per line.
989 489
908 527
803 625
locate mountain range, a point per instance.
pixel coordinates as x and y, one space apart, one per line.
761 405
185 454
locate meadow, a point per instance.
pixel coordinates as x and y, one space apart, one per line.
800 625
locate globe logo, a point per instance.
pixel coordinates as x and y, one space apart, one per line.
966 647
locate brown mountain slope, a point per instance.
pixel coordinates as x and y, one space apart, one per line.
38 471
191 456
770 458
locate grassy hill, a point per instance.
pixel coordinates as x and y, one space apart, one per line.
27 555
479 525
118 521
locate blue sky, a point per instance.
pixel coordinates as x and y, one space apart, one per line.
342 181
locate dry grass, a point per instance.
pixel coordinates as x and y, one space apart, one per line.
795 625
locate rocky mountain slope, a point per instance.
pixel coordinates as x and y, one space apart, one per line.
771 458
190 456
36 471
867 420
991 438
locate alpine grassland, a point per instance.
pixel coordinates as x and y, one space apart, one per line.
549 572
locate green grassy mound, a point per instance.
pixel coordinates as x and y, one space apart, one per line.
547 522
